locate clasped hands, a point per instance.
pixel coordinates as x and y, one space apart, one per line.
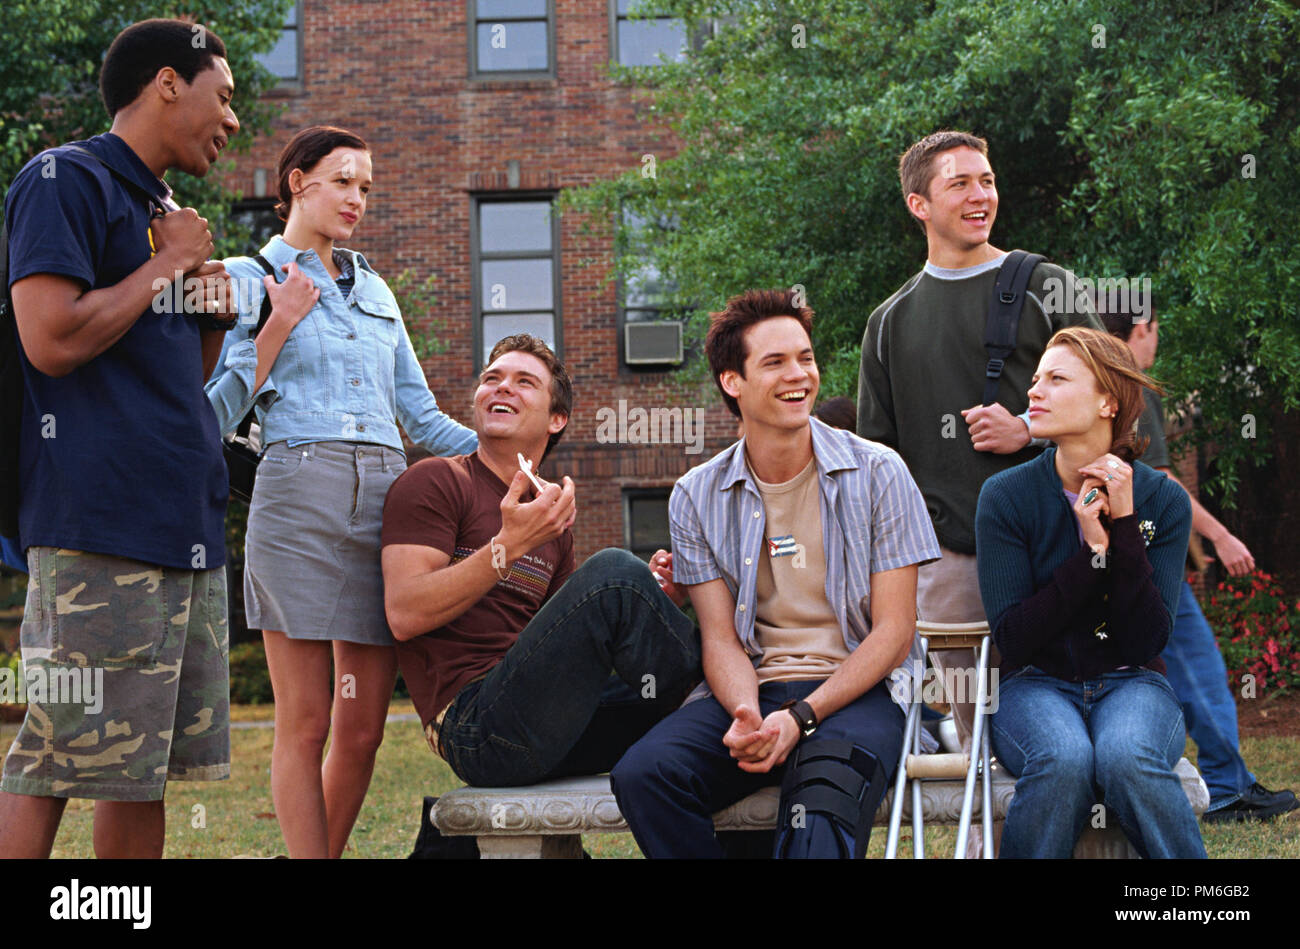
1106 493
761 744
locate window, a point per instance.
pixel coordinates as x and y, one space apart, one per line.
645 520
648 41
285 58
645 292
258 215
511 38
516 271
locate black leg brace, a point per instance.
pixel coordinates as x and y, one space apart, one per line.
837 779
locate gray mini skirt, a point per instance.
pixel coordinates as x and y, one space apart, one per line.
311 554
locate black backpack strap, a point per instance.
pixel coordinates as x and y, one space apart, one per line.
1004 316
247 422
266 297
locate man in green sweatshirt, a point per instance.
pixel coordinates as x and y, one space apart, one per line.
923 370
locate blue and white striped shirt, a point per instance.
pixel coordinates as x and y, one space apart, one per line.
873 519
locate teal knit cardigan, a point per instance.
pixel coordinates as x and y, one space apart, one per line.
1054 604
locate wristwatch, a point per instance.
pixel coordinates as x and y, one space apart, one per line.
804 715
207 321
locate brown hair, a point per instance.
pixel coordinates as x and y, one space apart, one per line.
561 384
725 343
916 165
841 412
1120 324
305 150
1117 375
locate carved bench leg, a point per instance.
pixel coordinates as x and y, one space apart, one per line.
546 847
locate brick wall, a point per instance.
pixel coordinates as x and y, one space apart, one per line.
397 74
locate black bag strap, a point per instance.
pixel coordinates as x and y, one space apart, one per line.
265 314
1004 316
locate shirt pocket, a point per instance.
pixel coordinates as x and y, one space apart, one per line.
380 328
386 317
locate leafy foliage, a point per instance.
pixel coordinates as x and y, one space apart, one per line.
1138 138
417 302
1258 630
49 84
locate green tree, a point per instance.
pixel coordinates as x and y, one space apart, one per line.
49 84
1137 138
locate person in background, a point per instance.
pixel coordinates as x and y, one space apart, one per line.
1192 659
330 375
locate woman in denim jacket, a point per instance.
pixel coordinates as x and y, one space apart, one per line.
1080 555
328 375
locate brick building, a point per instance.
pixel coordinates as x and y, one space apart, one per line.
478 113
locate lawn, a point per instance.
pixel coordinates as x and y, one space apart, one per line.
236 817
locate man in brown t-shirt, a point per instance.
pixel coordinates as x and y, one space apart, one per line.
507 650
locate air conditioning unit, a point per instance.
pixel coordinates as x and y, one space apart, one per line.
652 343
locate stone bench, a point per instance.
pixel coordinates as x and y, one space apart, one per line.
549 819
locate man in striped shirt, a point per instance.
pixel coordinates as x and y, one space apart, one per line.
799 547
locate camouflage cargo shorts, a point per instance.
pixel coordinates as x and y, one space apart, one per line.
127 678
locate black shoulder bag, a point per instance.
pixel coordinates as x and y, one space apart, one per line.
242 456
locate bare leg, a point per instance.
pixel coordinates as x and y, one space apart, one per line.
360 710
300 674
129 830
28 825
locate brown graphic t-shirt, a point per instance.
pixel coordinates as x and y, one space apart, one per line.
454 505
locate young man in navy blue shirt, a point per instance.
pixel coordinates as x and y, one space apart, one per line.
122 482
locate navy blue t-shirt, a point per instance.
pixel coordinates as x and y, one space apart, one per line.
122 455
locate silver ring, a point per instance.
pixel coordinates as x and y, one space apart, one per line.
1112 463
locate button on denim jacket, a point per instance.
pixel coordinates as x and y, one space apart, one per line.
347 372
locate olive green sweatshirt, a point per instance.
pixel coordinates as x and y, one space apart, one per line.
923 361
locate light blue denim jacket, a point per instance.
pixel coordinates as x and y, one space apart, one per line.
347 372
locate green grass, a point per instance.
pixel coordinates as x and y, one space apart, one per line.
238 814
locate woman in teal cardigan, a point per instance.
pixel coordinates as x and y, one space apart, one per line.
1080 555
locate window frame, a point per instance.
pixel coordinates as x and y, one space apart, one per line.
265 204
664 314
497 75
640 492
477 256
285 85
614 18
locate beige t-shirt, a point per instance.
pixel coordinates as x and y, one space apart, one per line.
794 622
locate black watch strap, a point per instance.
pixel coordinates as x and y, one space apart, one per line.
207 321
804 716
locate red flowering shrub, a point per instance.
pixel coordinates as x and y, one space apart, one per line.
1258 630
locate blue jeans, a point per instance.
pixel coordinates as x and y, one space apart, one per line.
1113 740
550 708
1200 680
673 780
